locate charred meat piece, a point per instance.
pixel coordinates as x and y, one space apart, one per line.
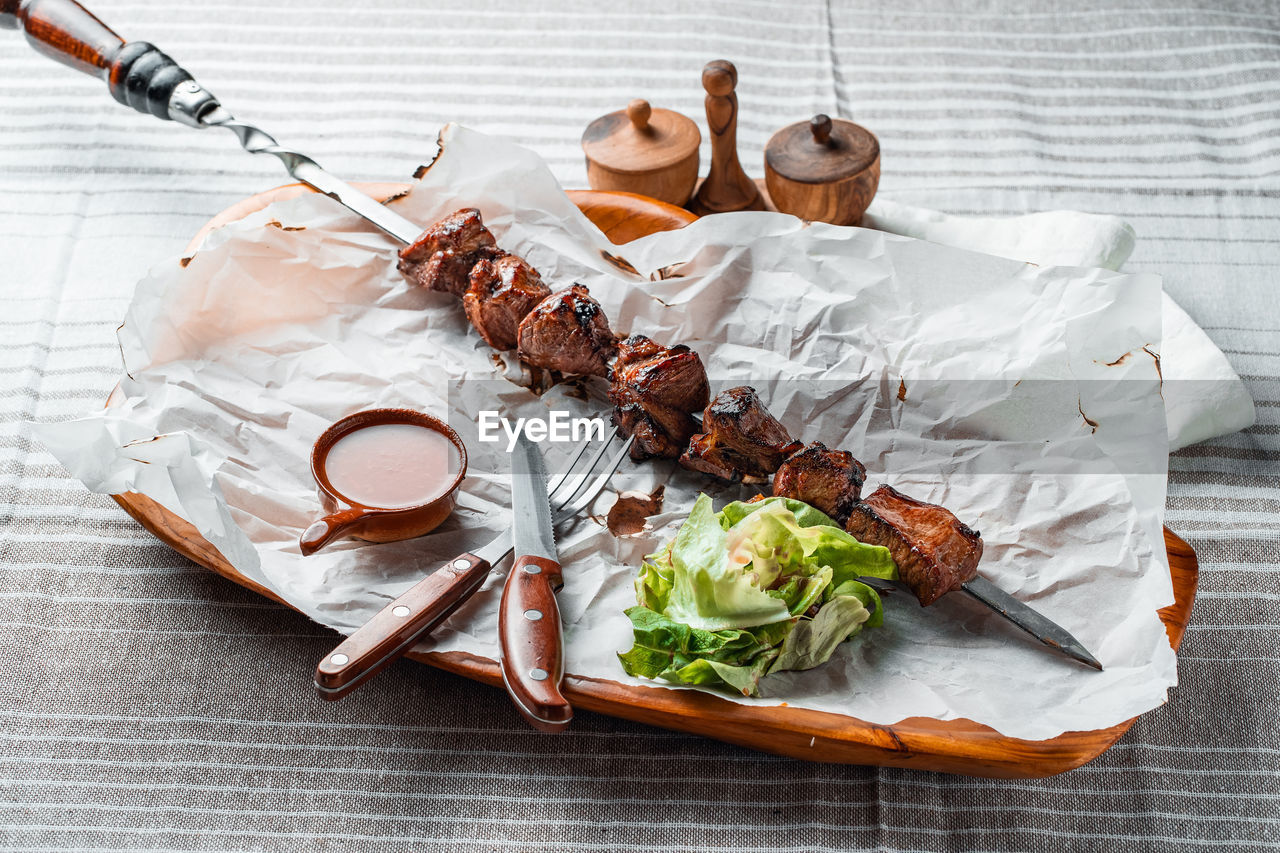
568 332
934 551
668 376
441 259
830 480
655 391
740 439
503 290
658 436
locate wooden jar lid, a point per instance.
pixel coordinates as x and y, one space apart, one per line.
821 150
640 139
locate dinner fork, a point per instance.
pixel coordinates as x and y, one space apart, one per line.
395 629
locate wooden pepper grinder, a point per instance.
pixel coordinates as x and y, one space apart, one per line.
823 170
643 150
727 187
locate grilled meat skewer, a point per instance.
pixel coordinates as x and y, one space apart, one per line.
655 391
502 292
741 440
935 552
568 332
830 480
442 257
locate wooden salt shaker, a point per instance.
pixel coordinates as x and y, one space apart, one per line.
643 150
727 187
824 170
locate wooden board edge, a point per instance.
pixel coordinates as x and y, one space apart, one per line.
950 746
953 746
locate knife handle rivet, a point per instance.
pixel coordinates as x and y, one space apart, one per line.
532 569
400 610
339 660
538 674
461 564
533 615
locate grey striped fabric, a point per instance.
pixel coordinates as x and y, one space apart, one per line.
151 705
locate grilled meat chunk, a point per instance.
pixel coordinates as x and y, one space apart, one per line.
934 551
740 439
659 435
503 290
830 480
441 259
655 390
568 332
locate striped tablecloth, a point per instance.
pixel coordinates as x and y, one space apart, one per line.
151 705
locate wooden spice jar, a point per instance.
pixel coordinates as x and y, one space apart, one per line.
824 170
643 150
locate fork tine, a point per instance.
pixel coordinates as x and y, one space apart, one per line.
582 479
573 486
558 480
585 498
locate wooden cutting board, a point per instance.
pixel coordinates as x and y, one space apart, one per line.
952 746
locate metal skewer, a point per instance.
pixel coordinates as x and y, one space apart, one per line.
1043 629
257 141
141 76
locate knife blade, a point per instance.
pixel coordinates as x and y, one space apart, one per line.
529 631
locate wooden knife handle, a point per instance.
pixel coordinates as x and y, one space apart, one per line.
394 630
138 74
532 642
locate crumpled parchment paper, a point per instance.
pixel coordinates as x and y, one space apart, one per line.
1203 396
1025 399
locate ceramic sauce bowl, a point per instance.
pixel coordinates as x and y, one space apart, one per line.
384 475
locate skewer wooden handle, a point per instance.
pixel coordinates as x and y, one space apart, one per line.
529 634
138 74
394 630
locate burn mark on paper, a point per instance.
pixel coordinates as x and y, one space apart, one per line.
1093 425
1156 357
576 387
1119 361
120 347
421 172
668 272
621 263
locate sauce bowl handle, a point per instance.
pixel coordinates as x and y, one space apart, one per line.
324 530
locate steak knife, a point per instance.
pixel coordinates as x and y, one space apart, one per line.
529 630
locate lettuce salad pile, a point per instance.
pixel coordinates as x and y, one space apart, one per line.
755 588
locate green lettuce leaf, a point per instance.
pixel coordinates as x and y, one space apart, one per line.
805 515
813 641
736 658
655 579
756 588
708 591
821 541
